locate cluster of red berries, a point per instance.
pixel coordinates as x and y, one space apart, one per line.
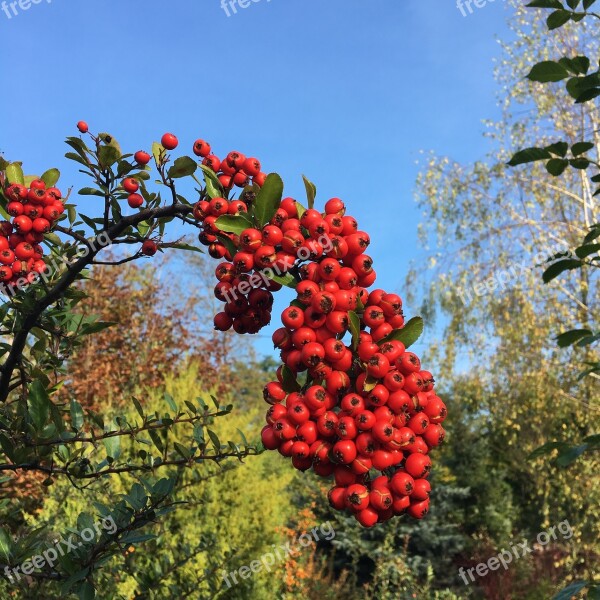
35 210
247 293
367 414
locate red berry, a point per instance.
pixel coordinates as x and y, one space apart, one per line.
149 248
141 157
169 141
130 185
344 451
357 497
367 517
201 148
251 167
83 127
418 465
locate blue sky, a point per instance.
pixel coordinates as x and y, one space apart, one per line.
346 91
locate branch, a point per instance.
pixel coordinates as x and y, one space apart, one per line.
33 316
182 462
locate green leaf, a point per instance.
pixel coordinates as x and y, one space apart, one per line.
555 269
409 334
593 441
558 149
159 152
547 71
581 148
587 95
300 208
5 546
354 326
580 163
286 279
108 156
76 415
138 406
529 155
570 455
557 19
14 173
587 249
593 233
214 439
86 591
568 338
88 191
573 3
233 223
182 167
290 384
214 189
546 449
594 593
182 450
113 447
268 199
38 404
188 247
588 3
156 439
556 166
578 65
51 177
311 191
545 4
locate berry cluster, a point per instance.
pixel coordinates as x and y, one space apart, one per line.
35 210
368 408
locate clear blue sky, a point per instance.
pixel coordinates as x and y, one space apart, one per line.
346 91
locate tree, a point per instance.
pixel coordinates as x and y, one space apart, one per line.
494 229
